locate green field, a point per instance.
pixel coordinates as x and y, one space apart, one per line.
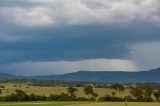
76 104
10 88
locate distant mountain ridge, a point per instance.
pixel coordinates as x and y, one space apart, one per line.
106 76
98 76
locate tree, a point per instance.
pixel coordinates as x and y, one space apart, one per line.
21 95
142 93
71 90
95 94
113 94
88 90
118 87
1 86
157 95
137 93
148 93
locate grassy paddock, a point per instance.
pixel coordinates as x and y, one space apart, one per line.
38 90
76 104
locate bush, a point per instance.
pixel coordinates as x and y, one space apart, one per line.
82 99
111 98
1 86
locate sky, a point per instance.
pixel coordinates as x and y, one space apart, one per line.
42 37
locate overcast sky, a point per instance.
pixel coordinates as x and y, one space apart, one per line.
41 37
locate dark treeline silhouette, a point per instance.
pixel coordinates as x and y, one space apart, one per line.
20 95
48 83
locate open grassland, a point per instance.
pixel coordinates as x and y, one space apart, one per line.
39 90
76 104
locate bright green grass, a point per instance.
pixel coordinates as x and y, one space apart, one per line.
76 104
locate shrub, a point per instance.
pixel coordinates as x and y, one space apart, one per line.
111 98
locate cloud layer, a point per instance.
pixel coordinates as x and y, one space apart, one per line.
73 12
78 30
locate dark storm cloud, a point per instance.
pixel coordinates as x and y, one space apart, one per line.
40 30
76 42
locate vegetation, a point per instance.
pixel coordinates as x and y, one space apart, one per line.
157 95
118 87
25 90
71 90
142 93
76 104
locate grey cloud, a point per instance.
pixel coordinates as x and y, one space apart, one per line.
81 29
76 42
44 12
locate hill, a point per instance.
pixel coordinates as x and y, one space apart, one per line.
106 76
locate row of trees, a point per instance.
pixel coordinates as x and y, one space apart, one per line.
144 93
88 90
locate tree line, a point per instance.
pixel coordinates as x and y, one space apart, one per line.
139 93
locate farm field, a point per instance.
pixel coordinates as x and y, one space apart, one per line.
39 90
76 104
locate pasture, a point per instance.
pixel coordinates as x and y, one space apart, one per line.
39 90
